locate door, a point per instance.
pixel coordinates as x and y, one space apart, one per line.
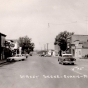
73 52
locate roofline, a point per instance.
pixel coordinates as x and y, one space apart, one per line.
75 35
12 39
2 34
79 35
76 40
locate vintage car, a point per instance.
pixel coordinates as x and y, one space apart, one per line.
47 55
66 59
17 57
30 53
26 55
42 54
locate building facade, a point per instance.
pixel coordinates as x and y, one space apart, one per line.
56 49
13 45
78 45
51 52
2 46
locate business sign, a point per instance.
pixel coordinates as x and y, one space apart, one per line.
73 47
79 46
12 45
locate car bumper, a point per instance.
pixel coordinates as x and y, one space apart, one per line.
69 62
9 60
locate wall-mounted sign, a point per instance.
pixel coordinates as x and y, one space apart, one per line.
2 41
73 47
12 45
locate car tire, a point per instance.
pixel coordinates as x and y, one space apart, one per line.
72 63
22 59
59 62
63 63
13 60
7 60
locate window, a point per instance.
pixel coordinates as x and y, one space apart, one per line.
67 55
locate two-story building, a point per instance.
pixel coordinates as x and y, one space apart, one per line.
2 46
78 45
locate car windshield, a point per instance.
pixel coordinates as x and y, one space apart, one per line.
67 55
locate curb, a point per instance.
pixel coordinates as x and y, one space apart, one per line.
2 62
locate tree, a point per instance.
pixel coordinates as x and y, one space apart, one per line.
26 44
61 39
7 52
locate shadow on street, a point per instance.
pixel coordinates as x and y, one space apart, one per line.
6 63
69 64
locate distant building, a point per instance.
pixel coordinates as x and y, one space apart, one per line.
56 49
2 46
51 52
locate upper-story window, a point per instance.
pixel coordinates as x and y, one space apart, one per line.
2 41
2 37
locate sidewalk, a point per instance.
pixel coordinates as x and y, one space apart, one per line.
2 61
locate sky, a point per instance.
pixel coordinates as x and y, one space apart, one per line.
42 20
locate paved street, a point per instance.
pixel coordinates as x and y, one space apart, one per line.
44 72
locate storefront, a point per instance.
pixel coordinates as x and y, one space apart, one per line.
2 46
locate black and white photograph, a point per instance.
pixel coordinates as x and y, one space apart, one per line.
43 43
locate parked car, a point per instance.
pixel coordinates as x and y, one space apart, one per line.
26 55
47 55
66 59
17 57
42 55
30 53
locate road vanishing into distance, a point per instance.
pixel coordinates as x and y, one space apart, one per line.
44 72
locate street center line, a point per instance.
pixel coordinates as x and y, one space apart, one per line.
77 72
73 69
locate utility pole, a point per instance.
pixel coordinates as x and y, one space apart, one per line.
44 47
47 46
86 23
